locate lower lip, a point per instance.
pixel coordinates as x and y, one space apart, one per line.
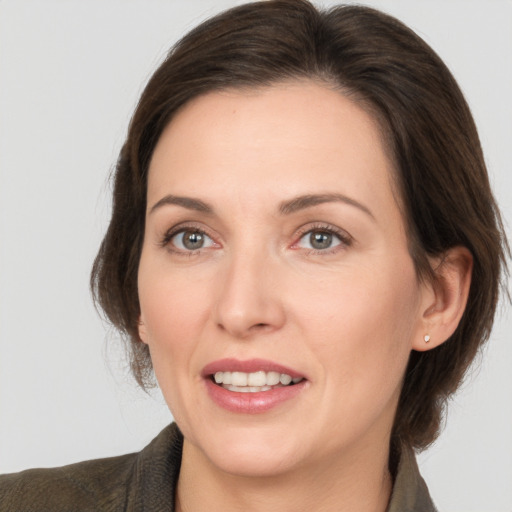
252 403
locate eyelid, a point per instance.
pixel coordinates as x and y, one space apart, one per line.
165 239
345 237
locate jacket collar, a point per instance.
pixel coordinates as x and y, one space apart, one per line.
155 473
157 468
410 493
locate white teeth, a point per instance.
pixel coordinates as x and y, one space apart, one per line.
247 389
257 379
238 379
253 382
285 379
272 378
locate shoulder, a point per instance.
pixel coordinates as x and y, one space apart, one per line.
410 493
95 485
102 485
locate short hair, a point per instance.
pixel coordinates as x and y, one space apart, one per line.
441 178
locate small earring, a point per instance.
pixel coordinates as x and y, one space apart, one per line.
426 338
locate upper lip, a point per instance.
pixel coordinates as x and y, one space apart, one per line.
248 366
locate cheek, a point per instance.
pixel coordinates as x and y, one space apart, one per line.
362 322
360 336
173 313
171 303
173 310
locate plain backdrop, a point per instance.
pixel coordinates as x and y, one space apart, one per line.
70 75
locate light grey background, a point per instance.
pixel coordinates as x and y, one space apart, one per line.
70 75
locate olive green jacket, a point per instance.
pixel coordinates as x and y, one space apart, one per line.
146 481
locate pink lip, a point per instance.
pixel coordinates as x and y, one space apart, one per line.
250 403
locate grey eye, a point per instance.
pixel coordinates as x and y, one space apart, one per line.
191 240
319 240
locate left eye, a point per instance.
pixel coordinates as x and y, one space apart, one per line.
319 239
191 240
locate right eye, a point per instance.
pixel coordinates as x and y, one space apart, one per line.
319 239
191 240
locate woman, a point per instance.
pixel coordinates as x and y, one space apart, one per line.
305 249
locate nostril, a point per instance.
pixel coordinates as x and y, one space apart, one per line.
260 327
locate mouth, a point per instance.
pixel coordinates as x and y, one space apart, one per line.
254 386
253 382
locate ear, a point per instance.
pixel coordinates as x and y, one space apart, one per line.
445 298
143 334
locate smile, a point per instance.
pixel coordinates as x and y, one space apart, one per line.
251 387
254 382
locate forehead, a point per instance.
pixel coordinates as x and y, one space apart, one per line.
290 138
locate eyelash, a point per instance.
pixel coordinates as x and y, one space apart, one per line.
345 239
171 233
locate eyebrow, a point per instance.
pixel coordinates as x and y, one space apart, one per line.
189 203
307 201
285 208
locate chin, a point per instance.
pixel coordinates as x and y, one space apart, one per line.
249 452
253 463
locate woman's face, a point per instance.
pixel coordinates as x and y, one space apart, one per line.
274 248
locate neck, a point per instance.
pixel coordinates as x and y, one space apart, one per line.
359 483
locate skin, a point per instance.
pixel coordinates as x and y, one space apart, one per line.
346 317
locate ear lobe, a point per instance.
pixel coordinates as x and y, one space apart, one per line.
447 298
143 334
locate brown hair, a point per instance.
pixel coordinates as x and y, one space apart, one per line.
441 175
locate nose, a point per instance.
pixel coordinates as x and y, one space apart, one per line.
249 297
